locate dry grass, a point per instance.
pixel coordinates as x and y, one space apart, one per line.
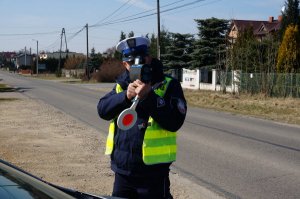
278 109
5 88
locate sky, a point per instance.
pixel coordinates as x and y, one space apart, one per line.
24 22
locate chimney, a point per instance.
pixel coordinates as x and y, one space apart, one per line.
280 18
271 19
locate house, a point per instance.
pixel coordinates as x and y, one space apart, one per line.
7 57
24 60
261 29
57 55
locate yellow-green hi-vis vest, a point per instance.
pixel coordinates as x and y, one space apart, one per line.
159 145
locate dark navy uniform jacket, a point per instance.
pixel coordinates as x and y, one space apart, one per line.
169 112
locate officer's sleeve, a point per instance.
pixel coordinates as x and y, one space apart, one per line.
169 111
112 104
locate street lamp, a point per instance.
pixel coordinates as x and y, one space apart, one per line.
37 56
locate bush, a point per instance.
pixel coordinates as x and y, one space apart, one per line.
108 71
75 62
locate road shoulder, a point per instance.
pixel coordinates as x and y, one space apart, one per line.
62 150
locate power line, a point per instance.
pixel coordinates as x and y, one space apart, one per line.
204 4
129 18
154 9
55 43
124 4
184 5
29 34
121 20
75 34
86 26
66 40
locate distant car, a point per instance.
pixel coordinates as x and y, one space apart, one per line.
16 183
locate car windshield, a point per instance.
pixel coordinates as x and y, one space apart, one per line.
12 187
17 184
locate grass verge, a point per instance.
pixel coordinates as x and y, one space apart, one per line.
285 110
5 88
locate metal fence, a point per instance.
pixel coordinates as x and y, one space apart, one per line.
271 84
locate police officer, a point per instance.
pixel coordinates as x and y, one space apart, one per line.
141 156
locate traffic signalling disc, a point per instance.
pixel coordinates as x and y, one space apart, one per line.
128 117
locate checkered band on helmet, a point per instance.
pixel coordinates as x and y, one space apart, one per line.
132 47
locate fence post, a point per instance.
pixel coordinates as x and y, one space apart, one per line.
235 81
214 79
198 79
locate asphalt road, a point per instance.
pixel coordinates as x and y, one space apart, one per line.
234 156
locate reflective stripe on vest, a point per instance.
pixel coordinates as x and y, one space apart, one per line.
111 130
159 145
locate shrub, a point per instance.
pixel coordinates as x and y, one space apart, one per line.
74 62
109 70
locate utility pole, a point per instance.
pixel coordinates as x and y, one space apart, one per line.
158 30
25 57
59 62
67 50
87 53
37 57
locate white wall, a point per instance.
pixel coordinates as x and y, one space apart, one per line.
191 80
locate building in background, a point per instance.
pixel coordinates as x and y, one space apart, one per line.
57 55
24 60
261 29
7 59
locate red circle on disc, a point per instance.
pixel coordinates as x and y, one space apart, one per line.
127 120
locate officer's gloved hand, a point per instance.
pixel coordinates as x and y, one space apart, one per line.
130 93
142 90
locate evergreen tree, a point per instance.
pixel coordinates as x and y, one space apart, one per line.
153 45
123 36
178 53
289 51
165 40
210 44
290 15
96 60
116 54
131 34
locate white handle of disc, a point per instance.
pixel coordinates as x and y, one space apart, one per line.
128 117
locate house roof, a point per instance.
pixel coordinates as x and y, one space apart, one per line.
8 55
243 24
23 55
259 27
